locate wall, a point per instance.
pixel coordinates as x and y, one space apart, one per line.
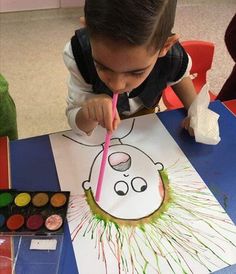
72 3
20 5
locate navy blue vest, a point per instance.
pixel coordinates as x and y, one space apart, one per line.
167 69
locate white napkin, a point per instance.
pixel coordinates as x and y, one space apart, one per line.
204 121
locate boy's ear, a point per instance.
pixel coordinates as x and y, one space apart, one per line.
171 40
82 21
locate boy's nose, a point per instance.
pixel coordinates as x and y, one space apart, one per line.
117 83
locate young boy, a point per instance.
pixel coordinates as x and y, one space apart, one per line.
125 47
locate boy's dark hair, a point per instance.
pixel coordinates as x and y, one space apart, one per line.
136 22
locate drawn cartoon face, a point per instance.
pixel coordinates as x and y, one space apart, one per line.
132 187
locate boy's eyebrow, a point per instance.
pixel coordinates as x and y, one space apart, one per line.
135 70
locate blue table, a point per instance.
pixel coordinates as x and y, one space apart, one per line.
33 167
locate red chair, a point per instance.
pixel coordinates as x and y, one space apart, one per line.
231 105
201 53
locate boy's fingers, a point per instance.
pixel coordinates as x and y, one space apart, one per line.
115 125
185 123
85 112
112 124
191 132
107 117
99 114
88 110
182 124
116 121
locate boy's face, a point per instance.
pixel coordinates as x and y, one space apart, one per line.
120 66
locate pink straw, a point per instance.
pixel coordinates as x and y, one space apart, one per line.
105 151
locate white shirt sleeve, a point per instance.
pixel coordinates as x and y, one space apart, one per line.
78 89
186 74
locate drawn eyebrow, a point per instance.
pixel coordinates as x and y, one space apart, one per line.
128 71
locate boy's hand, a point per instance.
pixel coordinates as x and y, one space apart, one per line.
98 109
186 124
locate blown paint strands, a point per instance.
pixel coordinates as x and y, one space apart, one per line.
32 212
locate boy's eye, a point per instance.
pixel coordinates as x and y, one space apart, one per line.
137 74
99 67
134 74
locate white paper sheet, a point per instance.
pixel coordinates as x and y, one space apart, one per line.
143 223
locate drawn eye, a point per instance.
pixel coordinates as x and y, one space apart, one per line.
139 184
121 188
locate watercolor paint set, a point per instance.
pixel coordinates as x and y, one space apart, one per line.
32 212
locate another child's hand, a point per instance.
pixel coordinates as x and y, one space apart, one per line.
99 109
186 124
